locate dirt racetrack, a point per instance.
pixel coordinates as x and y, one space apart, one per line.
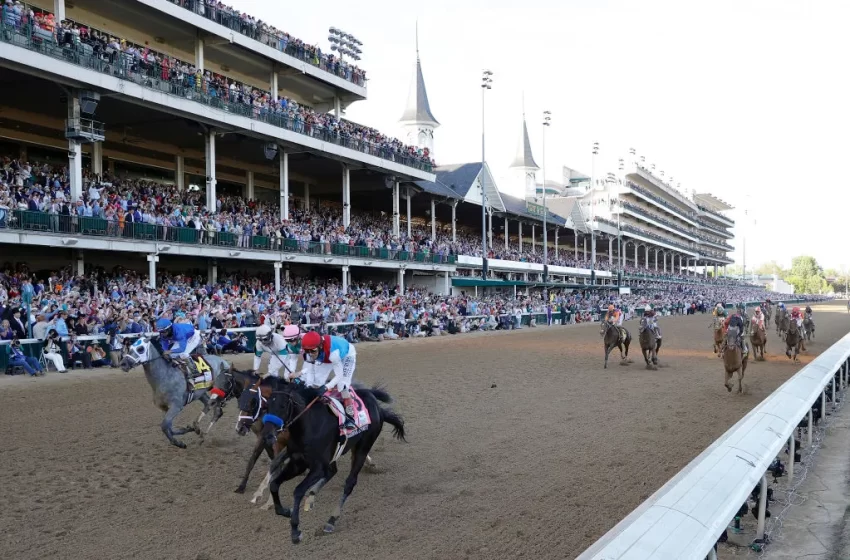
538 466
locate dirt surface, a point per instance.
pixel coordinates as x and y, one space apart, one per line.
538 466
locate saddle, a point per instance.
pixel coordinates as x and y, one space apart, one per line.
361 418
197 372
622 334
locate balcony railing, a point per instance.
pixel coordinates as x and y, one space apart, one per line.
650 216
715 214
293 47
155 77
674 209
136 231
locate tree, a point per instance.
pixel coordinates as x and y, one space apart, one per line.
770 268
805 266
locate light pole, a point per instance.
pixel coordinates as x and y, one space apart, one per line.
344 43
593 214
547 122
619 211
486 83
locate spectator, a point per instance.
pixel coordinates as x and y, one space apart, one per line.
53 349
19 359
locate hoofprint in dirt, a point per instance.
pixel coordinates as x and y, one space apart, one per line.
81 466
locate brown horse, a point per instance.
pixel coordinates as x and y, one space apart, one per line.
768 313
733 360
649 344
781 323
612 338
759 341
793 341
717 325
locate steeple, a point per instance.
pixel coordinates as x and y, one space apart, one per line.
417 120
524 159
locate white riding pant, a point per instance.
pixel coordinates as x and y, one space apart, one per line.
57 360
193 342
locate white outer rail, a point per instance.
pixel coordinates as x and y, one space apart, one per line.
685 517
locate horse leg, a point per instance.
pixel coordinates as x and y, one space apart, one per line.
286 470
607 351
314 490
315 476
357 461
218 412
252 460
728 378
167 428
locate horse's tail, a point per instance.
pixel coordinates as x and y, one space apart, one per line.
392 418
381 394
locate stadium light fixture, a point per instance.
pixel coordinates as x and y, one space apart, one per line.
547 122
344 43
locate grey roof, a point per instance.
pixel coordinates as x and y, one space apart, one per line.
438 189
418 110
524 157
459 177
514 205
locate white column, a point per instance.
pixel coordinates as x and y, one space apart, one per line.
307 196
345 279
705 271
346 196
180 173
454 221
656 260
212 272
556 241
152 260
433 220
75 169
401 280
507 232
249 185
610 250
407 194
273 82
584 248
448 285
209 153
575 244
81 264
646 257
520 235
277 267
59 10
337 106
284 183
490 229
533 237
199 52
97 158
715 271
396 209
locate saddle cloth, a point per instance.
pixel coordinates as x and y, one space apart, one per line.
622 334
361 413
199 377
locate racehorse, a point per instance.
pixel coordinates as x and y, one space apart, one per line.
649 344
781 322
171 391
767 310
758 339
793 341
717 325
809 326
314 437
733 359
612 338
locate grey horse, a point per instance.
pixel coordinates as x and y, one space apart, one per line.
170 392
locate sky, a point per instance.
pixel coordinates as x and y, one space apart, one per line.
745 99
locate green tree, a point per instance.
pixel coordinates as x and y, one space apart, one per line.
769 268
805 266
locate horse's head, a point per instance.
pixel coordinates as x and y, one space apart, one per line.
731 336
141 351
605 325
251 406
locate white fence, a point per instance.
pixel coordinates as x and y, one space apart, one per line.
686 516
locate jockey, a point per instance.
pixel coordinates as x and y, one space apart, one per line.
735 320
323 355
798 318
758 319
808 312
178 341
652 320
615 317
284 349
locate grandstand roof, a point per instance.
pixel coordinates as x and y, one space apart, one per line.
712 202
514 205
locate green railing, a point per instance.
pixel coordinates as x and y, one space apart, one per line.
294 48
99 227
151 76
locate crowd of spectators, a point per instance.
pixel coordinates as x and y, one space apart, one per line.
167 73
66 308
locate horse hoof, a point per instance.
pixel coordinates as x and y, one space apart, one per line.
240 490
296 537
728 388
283 511
179 444
328 528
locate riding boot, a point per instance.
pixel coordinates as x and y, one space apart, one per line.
349 414
657 332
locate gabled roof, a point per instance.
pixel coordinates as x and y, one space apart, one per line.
517 206
438 188
524 158
418 110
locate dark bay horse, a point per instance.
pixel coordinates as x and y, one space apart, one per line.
611 339
781 322
809 326
649 344
758 338
733 359
793 340
313 438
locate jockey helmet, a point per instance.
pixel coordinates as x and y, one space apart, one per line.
757 311
162 325
264 334
611 307
796 310
291 333
311 341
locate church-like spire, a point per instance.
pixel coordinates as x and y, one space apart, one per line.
418 110
524 158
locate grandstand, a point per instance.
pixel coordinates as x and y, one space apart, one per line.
139 98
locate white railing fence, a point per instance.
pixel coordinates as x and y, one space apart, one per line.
686 516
